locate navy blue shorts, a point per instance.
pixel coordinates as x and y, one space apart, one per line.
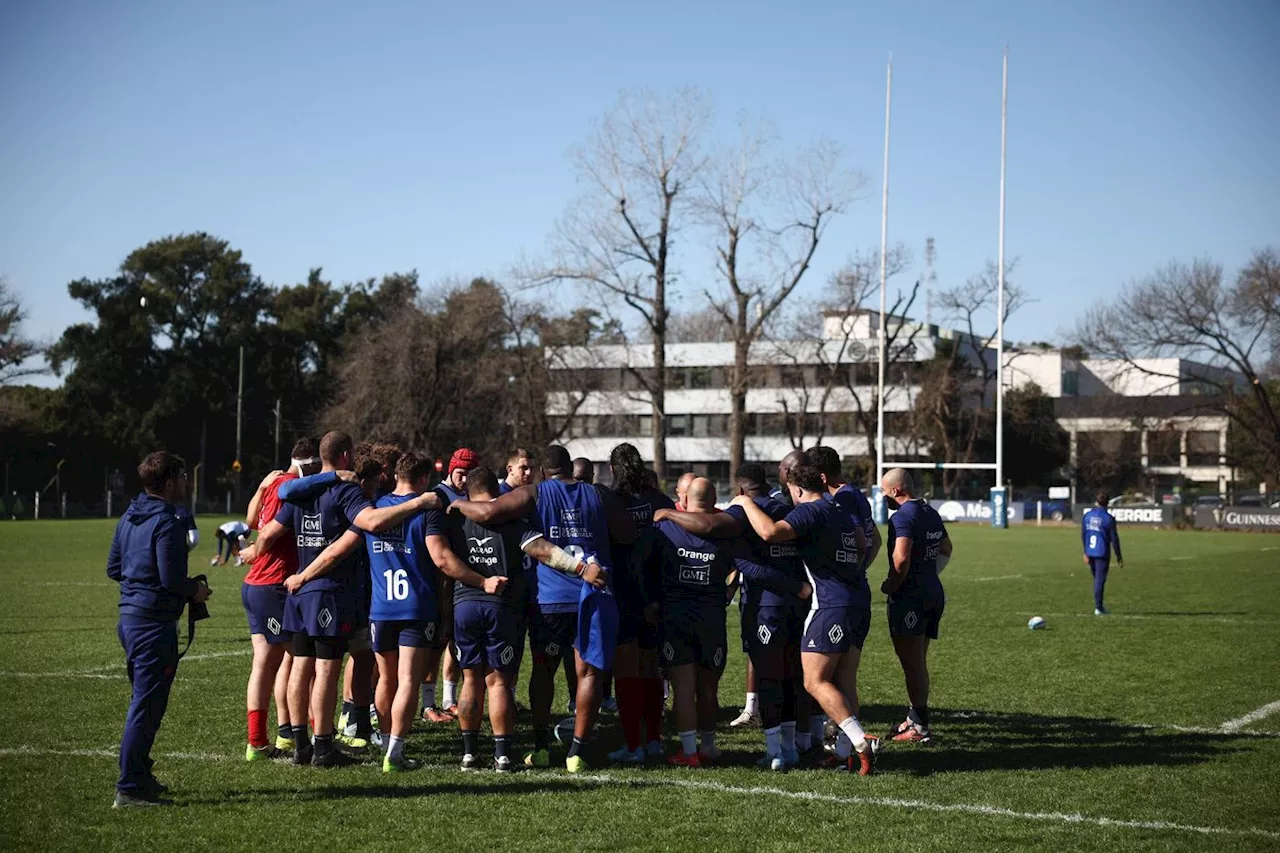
487 634
550 635
390 635
914 617
769 629
834 630
264 605
694 634
634 628
322 613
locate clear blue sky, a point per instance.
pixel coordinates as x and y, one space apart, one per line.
369 137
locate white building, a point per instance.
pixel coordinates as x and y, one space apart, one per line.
1156 410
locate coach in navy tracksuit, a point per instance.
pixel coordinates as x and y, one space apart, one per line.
149 560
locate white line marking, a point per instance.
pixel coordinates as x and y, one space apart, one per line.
1192 557
1200 618
1272 548
205 656
117 670
813 796
1231 726
105 675
997 578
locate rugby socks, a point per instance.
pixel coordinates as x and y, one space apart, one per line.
428 695
284 731
450 695
688 742
804 743
541 738
324 744
817 723
768 704
575 748
919 717
631 696
654 704
360 719
347 707
854 733
752 706
470 743
708 741
395 747
301 743
501 746
773 741
257 729
787 733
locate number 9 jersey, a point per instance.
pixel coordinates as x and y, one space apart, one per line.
400 569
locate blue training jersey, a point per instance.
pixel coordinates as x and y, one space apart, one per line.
920 523
448 494
402 577
755 552
1099 535
571 514
317 521
828 547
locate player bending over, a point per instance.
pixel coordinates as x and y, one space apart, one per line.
232 536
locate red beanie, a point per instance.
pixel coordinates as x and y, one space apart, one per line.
464 458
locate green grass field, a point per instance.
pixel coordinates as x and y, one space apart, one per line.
1148 729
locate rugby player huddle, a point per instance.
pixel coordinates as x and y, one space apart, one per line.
357 556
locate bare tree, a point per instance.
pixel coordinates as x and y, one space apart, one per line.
768 214
1189 311
16 350
640 168
694 327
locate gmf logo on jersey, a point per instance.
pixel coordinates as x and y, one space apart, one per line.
311 525
836 634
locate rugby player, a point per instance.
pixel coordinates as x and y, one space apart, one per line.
774 593
582 519
1099 535
232 534
322 605
682 489
452 488
695 577
831 544
847 495
189 522
636 673
919 548
519 470
584 470
262 595
489 607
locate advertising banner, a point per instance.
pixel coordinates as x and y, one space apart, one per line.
978 510
1238 518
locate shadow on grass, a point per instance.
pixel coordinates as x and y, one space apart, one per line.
430 786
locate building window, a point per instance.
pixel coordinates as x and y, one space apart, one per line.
644 425
1071 383
701 426
677 425
1202 448
1164 448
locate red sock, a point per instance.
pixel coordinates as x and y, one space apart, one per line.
258 728
630 695
653 703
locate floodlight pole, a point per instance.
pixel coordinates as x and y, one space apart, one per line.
1004 126
884 248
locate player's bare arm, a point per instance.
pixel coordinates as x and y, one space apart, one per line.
550 554
764 526
267 536
708 525
255 502
515 504
377 519
447 561
901 564
333 554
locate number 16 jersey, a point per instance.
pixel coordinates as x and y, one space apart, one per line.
400 569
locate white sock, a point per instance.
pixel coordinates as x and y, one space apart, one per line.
395 747
450 694
753 704
773 741
816 723
708 741
788 731
689 742
844 746
855 733
428 694
804 742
